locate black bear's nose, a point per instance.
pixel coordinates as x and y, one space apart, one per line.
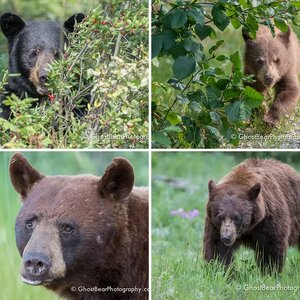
43 79
36 263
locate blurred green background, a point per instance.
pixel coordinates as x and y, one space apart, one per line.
179 180
50 163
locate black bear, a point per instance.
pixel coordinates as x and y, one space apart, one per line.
256 205
84 237
31 47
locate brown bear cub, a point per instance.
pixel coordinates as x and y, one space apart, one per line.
275 62
256 205
84 237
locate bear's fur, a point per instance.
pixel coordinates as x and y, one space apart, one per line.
275 62
31 47
257 205
82 231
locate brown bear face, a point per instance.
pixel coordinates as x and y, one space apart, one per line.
67 218
230 210
266 57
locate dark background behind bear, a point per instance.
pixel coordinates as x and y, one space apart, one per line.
178 269
51 163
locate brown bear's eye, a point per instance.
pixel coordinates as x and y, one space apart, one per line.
260 61
277 61
30 224
67 229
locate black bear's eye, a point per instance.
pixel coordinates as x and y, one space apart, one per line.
34 52
30 224
277 61
67 229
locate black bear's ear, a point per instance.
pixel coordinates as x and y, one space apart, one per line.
254 191
11 24
285 36
246 35
211 186
22 175
70 23
117 181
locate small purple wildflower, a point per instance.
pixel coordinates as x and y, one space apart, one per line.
185 214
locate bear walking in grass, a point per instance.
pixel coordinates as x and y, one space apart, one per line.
274 62
31 47
75 233
257 205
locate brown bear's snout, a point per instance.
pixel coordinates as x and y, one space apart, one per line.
36 264
228 232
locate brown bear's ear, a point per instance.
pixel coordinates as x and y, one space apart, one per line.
254 191
11 24
70 23
211 186
246 35
22 175
285 36
117 181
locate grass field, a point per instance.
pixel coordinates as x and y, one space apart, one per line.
54 163
178 270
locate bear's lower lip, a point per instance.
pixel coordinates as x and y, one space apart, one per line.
42 90
35 282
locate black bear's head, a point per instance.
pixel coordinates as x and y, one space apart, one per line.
33 45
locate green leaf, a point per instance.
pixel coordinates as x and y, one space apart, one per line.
176 84
191 45
232 111
197 96
232 93
168 39
182 99
156 45
179 18
213 97
280 24
219 17
221 58
216 46
252 97
215 118
197 15
183 67
212 130
172 128
203 31
235 23
173 118
296 3
236 60
161 138
195 107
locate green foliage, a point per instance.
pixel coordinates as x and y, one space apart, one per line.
105 62
209 102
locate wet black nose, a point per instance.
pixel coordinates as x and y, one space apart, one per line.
43 79
36 263
225 239
269 80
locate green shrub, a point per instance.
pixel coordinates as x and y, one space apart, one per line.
105 62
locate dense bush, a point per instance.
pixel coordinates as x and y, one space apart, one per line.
209 102
106 63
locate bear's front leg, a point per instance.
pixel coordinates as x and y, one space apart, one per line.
213 248
286 97
271 257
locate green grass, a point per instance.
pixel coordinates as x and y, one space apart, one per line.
178 270
54 163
